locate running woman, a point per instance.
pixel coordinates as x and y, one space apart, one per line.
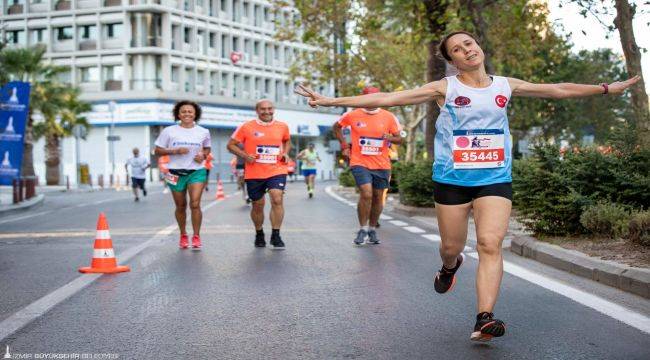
472 177
139 165
207 163
266 147
371 131
187 145
309 157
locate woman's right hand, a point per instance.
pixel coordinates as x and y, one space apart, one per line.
181 151
315 99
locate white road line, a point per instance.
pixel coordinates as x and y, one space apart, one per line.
39 307
385 217
26 217
627 316
432 237
336 196
399 223
414 229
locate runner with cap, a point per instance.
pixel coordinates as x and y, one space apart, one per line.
372 130
309 157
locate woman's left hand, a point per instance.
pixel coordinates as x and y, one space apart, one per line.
199 157
616 88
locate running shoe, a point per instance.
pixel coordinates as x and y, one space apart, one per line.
372 237
184 242
277 242
361 237
487 327
137 199
144 192
196 241
259 240
446 278
311 194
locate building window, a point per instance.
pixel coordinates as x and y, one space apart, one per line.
88 74
113 72
16 37
37 36
176 71
64 33
224 46
187 35
213 40
223 5
235 43
88 32
65 76
113 31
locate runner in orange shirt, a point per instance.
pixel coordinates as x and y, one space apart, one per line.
266 147
208 166
163 168
371 131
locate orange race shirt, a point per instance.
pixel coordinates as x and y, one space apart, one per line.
369 148
265 140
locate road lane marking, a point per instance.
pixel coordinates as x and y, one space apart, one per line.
398 223
385 217
41 306
414 229
432 237
615 311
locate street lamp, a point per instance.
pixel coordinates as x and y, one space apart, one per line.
112 105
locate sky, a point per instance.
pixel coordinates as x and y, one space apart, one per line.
569 16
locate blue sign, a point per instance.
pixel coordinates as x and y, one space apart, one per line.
14 105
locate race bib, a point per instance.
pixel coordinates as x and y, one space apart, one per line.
171 179
479 149
371 146
267 154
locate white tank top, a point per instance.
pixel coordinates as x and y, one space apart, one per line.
473 146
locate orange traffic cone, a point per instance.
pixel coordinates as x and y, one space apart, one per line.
220 195
103 255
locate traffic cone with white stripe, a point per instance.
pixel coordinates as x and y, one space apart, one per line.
103 254
220 195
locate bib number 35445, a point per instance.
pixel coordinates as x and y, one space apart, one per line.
479 149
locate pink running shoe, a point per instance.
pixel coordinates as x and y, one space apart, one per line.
196 241
184 242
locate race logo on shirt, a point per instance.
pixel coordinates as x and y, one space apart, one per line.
462 101
258 134
501 101
361 124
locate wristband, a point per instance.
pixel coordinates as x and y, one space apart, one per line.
606 87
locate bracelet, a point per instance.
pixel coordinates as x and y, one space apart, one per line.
606 87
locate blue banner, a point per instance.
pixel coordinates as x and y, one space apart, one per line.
14 106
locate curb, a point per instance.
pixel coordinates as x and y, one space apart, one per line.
626 278
25 205
413 210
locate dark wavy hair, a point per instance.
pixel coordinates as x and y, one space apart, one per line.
442 47
177 109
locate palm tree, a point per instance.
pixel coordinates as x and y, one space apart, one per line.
26 64
59 117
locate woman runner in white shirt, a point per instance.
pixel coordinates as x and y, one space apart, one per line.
473 160
187 145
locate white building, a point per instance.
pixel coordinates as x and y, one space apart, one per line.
147 54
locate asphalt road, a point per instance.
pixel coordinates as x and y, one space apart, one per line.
320 298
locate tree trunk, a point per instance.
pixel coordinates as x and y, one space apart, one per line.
435 10
410 145
52 160
27 168
476 8
623 22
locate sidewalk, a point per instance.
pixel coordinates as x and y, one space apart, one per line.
520 242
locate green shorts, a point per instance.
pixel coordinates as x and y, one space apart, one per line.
198 176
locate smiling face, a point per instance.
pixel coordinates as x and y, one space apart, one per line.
265 110
465 52
187 114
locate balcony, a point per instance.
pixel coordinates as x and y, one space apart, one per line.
146 84
91 86
39 7
112 3
63 5
112 44
150 41
88 4
15 9
85 45
63 46
113 85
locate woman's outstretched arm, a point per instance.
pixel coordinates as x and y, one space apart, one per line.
568 90
419 95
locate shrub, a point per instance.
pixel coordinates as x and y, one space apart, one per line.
346 178
606 219
639 228
414 183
